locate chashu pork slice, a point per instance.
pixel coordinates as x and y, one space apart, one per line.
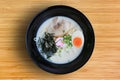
59 27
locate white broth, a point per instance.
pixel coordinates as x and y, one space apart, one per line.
65 42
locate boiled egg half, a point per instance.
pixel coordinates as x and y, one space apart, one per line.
78 39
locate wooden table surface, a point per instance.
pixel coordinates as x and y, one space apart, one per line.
15 63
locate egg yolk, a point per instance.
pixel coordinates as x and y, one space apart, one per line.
77 42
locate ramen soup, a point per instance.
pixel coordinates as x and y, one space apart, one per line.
59 40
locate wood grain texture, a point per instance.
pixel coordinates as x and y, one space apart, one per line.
15 63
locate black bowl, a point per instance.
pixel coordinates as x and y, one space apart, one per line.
85 25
